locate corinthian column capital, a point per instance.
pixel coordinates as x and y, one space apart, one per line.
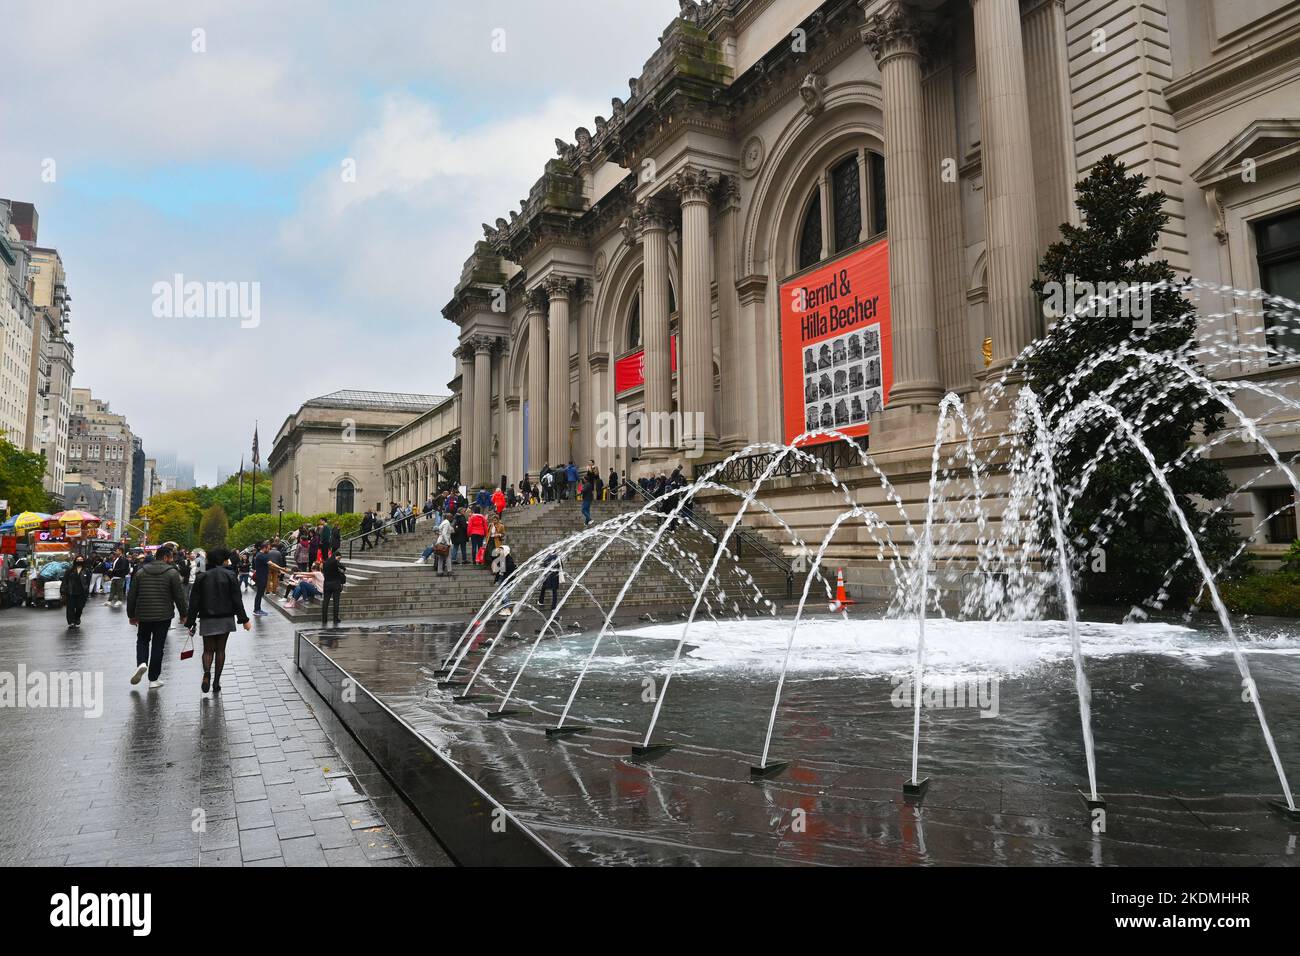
536 299
652 214
557 286
480 343
894 31
694 184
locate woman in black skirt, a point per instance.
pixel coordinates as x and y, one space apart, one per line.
216 604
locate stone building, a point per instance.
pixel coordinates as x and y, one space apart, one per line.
768 143
329 455
101 447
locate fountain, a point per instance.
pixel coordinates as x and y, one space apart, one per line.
979 581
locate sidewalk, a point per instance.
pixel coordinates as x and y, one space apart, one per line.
254 776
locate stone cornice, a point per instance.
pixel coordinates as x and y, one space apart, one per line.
1232 68
468 301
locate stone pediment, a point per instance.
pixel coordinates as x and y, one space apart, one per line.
1262 147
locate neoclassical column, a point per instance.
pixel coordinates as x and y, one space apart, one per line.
515 464
559 289
695 362
1007 161
657 363
734 367
502 361
482 345
586 407
538 379
468 431
894 38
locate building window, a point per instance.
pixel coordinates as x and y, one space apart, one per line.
1277 242
343 497
847 208
876 163
634 323
1281 527
846 187
810 234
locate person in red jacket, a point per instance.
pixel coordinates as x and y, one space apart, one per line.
478 529
499 501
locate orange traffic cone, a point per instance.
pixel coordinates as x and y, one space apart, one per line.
842 599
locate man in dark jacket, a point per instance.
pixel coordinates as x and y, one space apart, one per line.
335 578
367 525
76 587
261 576
118 568
155 590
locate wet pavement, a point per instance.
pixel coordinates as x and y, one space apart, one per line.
261 775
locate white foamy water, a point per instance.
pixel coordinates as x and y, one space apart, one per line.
954 649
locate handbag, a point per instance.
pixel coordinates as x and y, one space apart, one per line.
442 549
188 651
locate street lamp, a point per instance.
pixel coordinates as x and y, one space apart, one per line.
280 525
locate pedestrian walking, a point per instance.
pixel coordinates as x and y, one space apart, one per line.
477 529
217 608
76 589
335 577
459 536
119 568
156 590
551 582
442 548
261 576
589 479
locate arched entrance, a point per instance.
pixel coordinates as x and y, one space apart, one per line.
343 497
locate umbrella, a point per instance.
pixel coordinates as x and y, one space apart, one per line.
76 517
28 521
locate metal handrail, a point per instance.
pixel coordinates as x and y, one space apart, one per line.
830 455
715 530
352 539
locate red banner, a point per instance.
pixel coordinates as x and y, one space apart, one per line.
837 356
629 371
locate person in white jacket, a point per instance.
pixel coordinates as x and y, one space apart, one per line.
440 550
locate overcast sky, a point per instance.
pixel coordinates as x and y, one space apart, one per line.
228 165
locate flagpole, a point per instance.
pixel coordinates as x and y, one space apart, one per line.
253 508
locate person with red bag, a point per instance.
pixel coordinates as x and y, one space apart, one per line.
478 529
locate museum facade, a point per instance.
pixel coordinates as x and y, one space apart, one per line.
913 159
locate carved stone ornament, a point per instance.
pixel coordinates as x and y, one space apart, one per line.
694 184
557 286
751 157
891 32
813 93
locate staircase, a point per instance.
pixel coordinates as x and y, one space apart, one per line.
385 581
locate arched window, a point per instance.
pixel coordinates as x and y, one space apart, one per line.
343 496
846 210
634 317
634 323
849 194
810 234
